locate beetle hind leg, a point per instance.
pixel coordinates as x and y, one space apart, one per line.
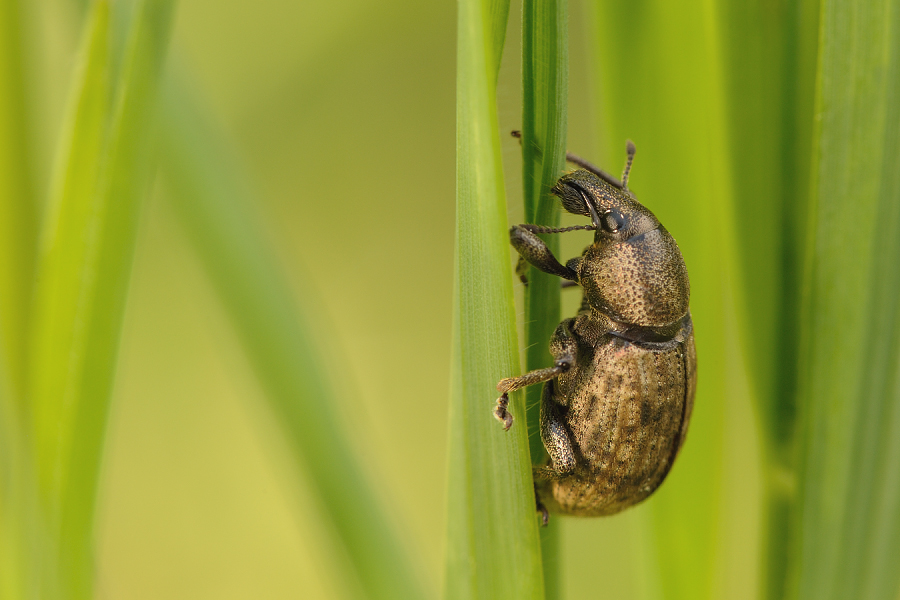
563 348
555 436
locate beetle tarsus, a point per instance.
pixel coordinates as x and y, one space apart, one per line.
522 270
501 412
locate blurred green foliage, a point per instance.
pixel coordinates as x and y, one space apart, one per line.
303 215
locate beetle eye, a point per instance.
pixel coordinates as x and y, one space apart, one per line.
612 221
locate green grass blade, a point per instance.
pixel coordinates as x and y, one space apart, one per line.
281 344
24 544
769 60
83 275
64 253
493 548
13 559
19 533
848 523
17 204
544 108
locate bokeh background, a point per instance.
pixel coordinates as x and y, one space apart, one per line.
339 121
342 116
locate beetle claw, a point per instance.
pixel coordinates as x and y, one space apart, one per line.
545 515
502 414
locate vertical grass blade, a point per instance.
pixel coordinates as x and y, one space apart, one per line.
281 344
847 518
544 109
17 204
14 562
24 542
493 548
769 60
64 256
17 247
84 271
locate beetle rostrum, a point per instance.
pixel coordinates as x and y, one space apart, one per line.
617 402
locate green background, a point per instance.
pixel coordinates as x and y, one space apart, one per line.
343 115
767 139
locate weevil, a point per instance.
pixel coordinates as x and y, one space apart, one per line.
617 401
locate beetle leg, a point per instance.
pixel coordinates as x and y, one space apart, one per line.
563 347
501 411
511 384
522 273
545 514
554 434
522 270
535 251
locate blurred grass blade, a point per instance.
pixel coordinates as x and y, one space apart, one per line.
24 543
19 532
848 521
17 204
84 271
64 261
13 562
769 70
281 346
493 547
545 56
14 533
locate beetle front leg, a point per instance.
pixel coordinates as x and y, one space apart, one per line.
535 251
522 272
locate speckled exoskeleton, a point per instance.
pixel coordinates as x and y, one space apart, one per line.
616 404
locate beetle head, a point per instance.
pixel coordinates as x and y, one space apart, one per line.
633 272
614 211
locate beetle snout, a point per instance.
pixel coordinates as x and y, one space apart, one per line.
574 198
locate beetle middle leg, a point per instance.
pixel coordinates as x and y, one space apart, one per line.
563 347
511 384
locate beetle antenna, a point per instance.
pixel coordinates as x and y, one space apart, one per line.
577 160
630 149
543 229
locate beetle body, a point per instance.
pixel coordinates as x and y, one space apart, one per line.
616 404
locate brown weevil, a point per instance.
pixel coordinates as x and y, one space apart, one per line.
616 404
